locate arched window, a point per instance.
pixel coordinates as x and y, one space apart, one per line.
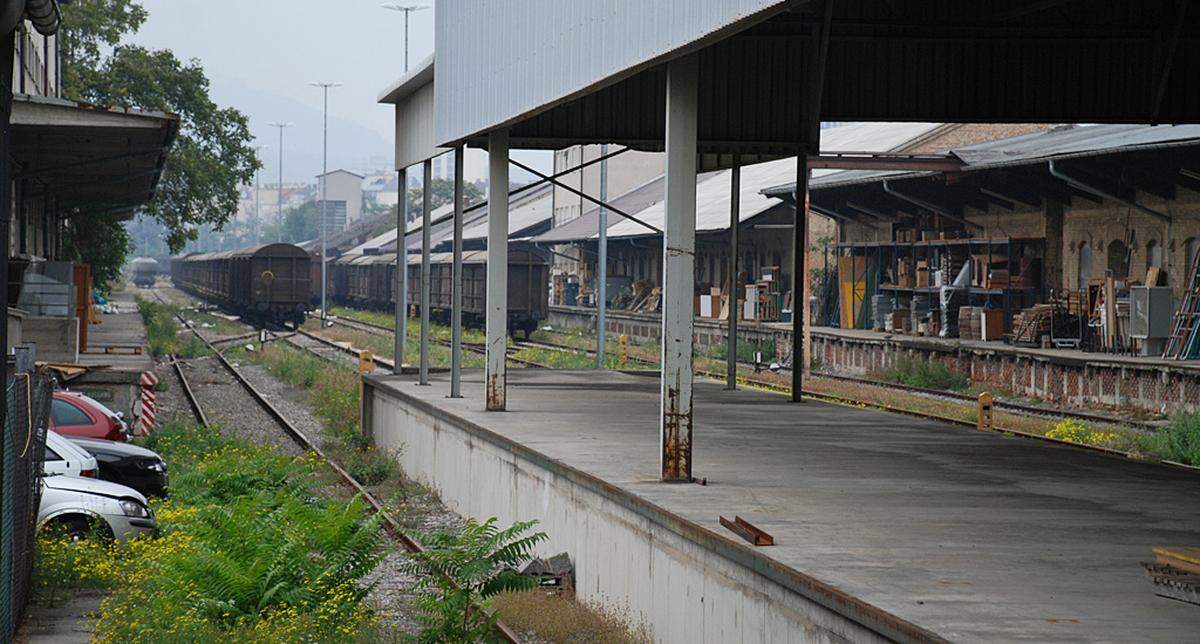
1085 265
1154 254
1192 246
1118 259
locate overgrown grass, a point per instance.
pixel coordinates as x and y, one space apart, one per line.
165 334
558 618
388 320
925 374
333 392
250 551
1179 441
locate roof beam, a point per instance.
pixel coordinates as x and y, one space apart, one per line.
1011 197
932 207
884 161
1080 185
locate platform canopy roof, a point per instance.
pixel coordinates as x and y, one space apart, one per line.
712 188
561 72
412 96
89 156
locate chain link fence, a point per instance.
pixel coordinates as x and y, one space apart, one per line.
22 450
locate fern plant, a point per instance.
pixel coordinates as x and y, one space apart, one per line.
458 571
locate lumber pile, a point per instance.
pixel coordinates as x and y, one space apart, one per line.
1031 324
1175 573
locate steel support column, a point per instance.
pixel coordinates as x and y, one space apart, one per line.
426 217
735 189
679 270
456 281
401 275
496 380
799 272
602 265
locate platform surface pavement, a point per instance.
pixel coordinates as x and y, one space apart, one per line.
972 535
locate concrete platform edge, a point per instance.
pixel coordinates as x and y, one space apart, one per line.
849 607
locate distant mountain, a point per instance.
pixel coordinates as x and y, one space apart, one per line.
351 145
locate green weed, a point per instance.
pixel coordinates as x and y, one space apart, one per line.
925 374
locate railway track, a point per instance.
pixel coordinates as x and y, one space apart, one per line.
377 329
391 525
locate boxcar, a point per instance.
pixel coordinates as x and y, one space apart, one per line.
368 281
271 283
145 272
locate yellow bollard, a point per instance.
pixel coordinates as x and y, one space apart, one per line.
366 365
985 412
623 342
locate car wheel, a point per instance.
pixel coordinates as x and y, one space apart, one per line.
79 528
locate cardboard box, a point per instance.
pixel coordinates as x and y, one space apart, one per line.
710 306
922 273
898 320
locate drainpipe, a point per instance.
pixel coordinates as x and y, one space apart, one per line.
1161 216
1080 185
921 203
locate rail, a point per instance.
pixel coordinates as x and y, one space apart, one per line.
390 524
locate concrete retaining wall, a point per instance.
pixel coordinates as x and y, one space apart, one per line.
685 582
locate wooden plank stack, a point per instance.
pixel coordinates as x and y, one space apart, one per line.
1175 573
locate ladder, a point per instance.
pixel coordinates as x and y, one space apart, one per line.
1184 343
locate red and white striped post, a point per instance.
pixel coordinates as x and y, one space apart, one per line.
146 404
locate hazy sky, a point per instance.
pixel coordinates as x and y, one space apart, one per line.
261 54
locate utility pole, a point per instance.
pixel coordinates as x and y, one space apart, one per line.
406 9
324 184
279 212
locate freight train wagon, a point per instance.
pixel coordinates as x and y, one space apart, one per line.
268 284
368 281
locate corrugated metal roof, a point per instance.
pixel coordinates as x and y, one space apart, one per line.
588 224
1036 147
1079 140
522 217
525 56
712 190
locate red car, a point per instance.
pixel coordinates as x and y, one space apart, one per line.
74 414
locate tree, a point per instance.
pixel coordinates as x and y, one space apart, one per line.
299 224
210 157
441 194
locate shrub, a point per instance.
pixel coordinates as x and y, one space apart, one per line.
1178 441
459 571
926 374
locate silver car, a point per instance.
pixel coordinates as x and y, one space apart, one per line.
81 506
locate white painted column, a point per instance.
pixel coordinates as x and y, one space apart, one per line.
426 210
495 380
457 280
401 276
679 271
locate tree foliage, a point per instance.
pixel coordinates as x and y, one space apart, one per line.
442 193
211 156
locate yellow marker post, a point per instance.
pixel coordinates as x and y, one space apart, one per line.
366 365
985 412
623 341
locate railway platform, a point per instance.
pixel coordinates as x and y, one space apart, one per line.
885 526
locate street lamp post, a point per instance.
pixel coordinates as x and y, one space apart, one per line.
279 204
324 183
255 230
406 9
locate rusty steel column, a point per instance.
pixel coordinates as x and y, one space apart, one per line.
401 274
495 378
679 271
799 271
426 216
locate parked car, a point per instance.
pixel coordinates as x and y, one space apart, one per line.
81 506
67 458
74 414
127 464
